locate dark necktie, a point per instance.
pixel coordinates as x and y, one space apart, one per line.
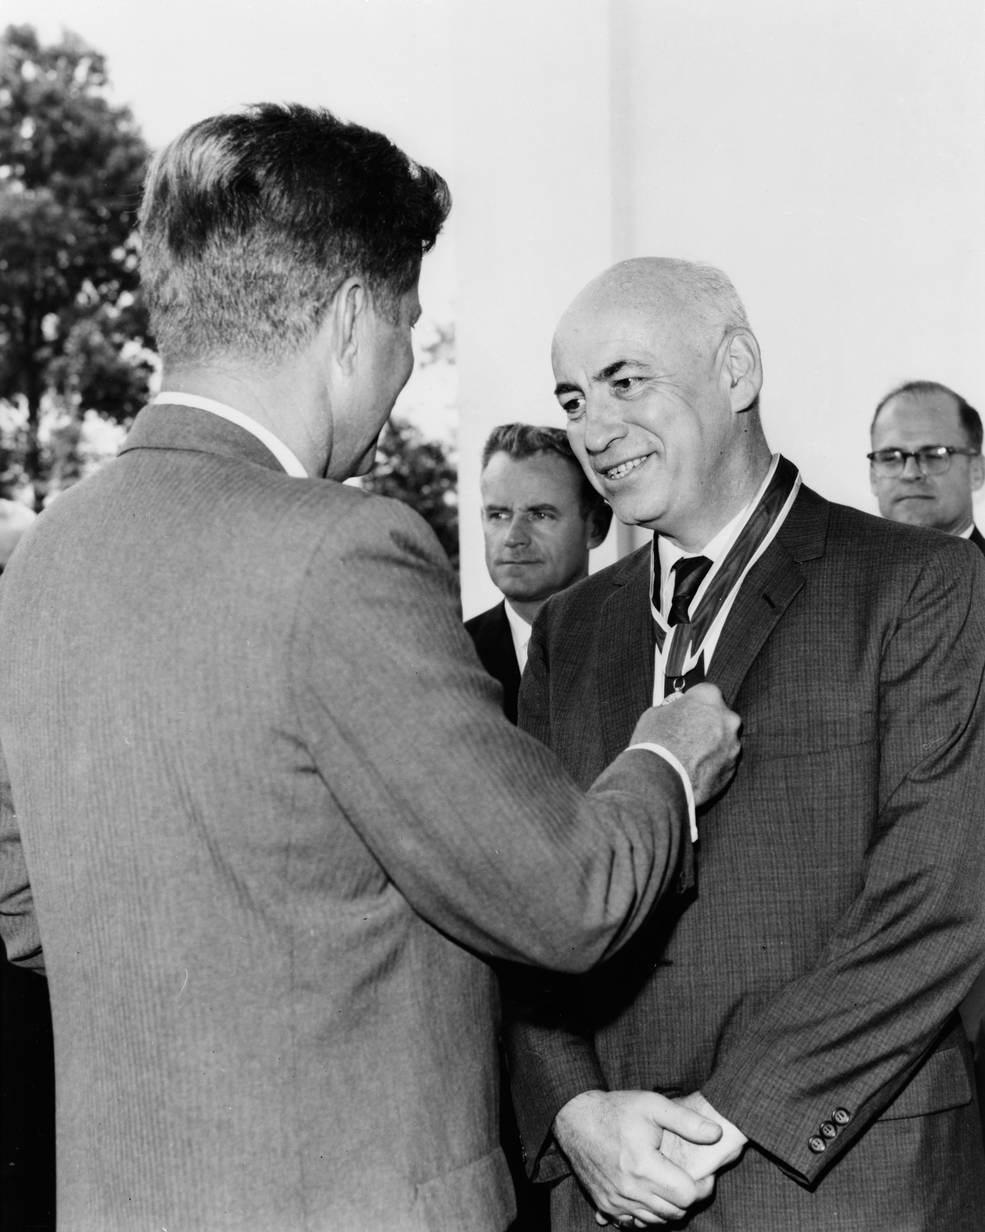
689 572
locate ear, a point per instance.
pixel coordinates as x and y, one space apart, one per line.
742 369
976 472
344 320
599 521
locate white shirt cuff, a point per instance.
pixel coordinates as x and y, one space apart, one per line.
668 756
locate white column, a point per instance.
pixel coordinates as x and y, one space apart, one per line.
532 185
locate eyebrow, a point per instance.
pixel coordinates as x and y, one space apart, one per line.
537 507
604 374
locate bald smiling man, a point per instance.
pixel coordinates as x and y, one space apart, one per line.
805 995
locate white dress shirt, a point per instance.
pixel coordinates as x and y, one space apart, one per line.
520 632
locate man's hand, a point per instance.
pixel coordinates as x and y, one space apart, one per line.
701 732
612 1140
698 1158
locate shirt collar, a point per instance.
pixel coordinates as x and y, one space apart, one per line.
520 630
719 544
283 453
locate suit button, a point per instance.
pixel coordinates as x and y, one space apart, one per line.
828 1129
841 1116
817 1145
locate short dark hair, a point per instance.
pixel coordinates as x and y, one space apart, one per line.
251 222
969 418
523 440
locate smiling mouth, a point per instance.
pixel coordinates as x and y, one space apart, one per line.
624 468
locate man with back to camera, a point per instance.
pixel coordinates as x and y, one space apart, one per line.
270 822
805 995
540 519
925 467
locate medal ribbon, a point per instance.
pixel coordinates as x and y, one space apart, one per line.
750 543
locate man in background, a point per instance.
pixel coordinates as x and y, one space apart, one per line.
15 518
805 995
261 819
926 461
540 519
925 467
27 1123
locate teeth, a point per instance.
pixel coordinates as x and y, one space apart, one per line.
624 468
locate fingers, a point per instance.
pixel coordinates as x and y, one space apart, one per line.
664 1193
706 692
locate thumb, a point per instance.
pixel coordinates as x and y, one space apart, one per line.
691 1125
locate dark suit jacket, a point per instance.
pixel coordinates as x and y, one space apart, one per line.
973 1006
490 632
275 823
838 918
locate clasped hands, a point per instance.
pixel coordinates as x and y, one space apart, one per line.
642 1158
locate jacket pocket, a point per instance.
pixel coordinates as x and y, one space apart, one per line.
942 1083
478 1196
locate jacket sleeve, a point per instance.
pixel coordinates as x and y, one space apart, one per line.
477 824
848 1034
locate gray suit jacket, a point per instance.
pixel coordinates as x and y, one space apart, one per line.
274 824
809 988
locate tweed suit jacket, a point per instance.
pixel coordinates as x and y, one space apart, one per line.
808 988
274 825
490 633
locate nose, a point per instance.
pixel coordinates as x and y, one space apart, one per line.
911 468
602 425
517 532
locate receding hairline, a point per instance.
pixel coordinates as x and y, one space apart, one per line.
968 418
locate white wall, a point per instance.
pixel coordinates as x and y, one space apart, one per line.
532 185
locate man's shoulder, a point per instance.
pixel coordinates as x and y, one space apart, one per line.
865 542
599 586
493 616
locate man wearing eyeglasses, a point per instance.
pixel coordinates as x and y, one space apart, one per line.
925 466
926 460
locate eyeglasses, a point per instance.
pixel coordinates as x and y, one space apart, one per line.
930 459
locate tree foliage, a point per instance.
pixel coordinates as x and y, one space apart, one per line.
71 164
420 473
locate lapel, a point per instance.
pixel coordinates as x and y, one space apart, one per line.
625 658
977 539
768 591
183 427
509 670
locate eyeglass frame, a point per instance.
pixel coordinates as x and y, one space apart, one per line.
919 456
